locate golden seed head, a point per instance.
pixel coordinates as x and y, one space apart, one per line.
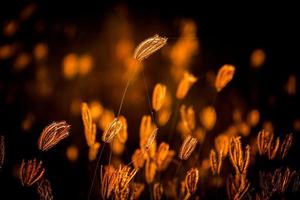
286 145
90 128
30 172
44 189
148 47
90 131
157 191
137 189
162 153
150 171
185 84
151 139
237 187
213 162
158 96
124 176
138 159
264 138
147 129
224 76
191 180
188 117
113 129
109 180
52 134
93 151
187 147
273 148
239 159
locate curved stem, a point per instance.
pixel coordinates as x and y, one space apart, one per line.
123 96
147 94
94 176
173 122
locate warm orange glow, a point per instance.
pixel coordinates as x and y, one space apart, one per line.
6 51
205 164
133 66
158 96
96 110
257 58
117 147
93 151
296 124
237 115
10 28
199 133
164 114
183 129
75 106
244 129
44 85
28 11
70 66
222 144
253 118
72 153
85 64
40 51
185 48
208 117
268 126
106 118
22 61
28 122
160 107
291 85
124 49
150 171
188 118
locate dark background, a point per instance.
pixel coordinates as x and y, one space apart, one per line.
228 34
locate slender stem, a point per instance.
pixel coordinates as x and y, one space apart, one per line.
173 122
94 176
112 146
147 94
123 96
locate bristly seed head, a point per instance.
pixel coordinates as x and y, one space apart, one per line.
187 147
113 129
148 47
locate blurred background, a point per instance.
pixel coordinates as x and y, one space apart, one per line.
55 55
